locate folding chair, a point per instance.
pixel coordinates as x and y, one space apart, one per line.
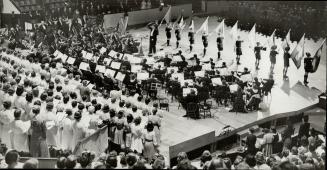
206 108
191 110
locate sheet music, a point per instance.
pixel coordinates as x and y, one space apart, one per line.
180 76
103 50
115 65
120 76
136 68
110 72
142 76
135 60
177 58
233 88
199 73
112 53
64 57
71 60
101 68
216 81
89 56
84 54
108 61
83 66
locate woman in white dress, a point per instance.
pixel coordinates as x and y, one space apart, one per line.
6 117
155 119
150 142
143 4
119 132
19 130
78 128
137 134
51 124
128 130
66 131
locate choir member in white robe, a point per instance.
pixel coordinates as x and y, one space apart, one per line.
6 117
19 130
79 129
66 131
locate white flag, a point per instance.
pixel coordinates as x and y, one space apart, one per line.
287 40
204 28
298 53
252 37
271 39
167 17
234 32
221 28
192 26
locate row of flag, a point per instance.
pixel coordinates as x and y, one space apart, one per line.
297 54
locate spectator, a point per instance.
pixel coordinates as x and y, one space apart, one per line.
12 160
31 164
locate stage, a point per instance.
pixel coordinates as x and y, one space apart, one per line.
288 98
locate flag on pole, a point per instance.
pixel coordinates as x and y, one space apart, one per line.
234 32
220 28
321 52
287 40
298 53
271 39
182 23
204 27
252 37
125 24
191 26
167 17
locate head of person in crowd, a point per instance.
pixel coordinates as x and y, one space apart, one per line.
31 164
12 158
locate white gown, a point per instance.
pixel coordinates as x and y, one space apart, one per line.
78 133
19 130
6 117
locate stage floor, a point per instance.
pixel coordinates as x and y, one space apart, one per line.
287 96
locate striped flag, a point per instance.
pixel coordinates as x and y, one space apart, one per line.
234 32
321 52
204 27
298 53
287 40
252 37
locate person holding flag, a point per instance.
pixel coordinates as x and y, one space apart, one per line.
287 57
220 39
238 49
177 34
153 37
308 67
191 35
205 42
168 33
257 52
272 56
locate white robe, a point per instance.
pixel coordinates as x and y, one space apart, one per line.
6 117
78 133
19 130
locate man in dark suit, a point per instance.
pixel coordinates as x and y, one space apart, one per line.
304 128
189 99
251 139
154 32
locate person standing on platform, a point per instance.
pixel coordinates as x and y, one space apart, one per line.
178 35
273 54
287 57
238 49
251 140
257 52
168 33
220 45
153 37
205 42
191 38
307 67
